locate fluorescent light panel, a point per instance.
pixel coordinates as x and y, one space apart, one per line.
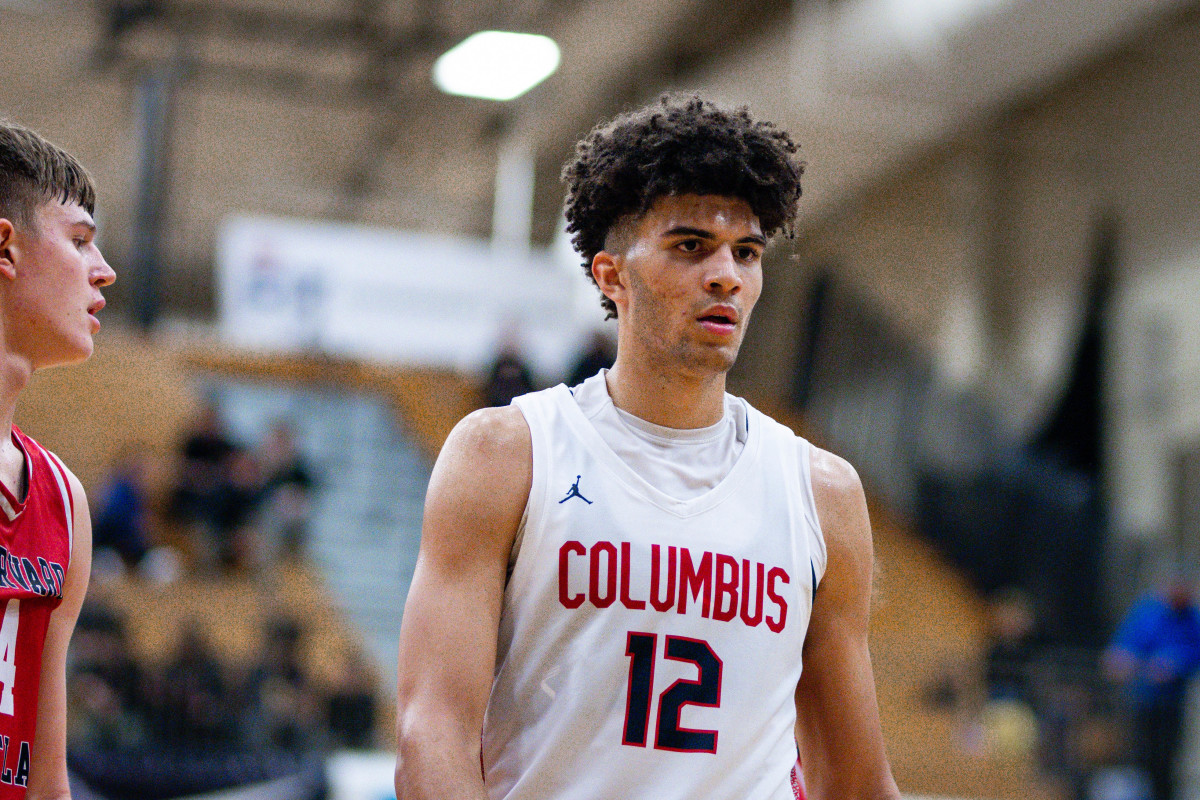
496 65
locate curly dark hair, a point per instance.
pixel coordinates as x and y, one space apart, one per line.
680 145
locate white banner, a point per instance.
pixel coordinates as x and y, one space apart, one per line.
298 285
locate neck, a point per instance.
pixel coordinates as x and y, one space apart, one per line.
14 376
15 372
671 400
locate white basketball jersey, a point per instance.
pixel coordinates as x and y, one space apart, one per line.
650 647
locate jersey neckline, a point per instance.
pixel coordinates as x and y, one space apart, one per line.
9 503
632 480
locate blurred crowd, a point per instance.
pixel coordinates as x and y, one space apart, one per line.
228 507
1104 723
511 376
193 699
223 509
196 714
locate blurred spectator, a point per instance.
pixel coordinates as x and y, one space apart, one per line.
232 531
195 708
1016 641
352 708
120 510
1118 783
218 491
203 466
108 705
509 377
287 490
282 707
1154 653
599 355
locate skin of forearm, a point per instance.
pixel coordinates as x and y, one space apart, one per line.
429 769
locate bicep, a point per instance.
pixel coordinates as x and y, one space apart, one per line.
476 497
447 639
838 726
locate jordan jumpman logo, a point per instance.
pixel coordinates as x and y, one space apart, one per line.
574 492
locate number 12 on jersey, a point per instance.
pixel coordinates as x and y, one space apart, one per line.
705 690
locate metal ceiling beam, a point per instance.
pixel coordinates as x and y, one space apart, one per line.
295 85
356 32
382 76
389 49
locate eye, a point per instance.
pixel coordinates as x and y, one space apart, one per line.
747 253
689 245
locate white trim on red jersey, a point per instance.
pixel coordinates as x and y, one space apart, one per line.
64 486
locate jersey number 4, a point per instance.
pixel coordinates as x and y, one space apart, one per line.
705 690
8 654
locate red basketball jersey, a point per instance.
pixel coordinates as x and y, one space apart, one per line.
35 551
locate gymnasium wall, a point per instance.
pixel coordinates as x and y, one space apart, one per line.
130 394
980 252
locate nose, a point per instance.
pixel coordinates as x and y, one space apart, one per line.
723 276
102 273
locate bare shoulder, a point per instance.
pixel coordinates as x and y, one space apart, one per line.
841 503
845 525
480 483
490 433
80 566
81 517
82 520
832 473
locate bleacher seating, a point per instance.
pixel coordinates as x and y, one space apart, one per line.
232 613
142 394
926 619
130 393
927 623
429 401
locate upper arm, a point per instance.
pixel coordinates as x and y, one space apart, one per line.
838 726
48 766
476 498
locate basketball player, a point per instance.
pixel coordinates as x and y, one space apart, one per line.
641 587
50 277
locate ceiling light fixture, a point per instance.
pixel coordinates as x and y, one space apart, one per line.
496 65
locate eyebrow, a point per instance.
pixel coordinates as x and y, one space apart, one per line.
86 223
684 230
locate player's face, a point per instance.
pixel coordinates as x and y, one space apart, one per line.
54 279
688 280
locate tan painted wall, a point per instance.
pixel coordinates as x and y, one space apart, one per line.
130 394
980 253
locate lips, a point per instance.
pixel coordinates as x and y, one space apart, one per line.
94 309
721 319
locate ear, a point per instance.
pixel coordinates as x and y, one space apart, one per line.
608 270
8 246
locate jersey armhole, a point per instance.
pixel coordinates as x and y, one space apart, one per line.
64 486
819 554
535 504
